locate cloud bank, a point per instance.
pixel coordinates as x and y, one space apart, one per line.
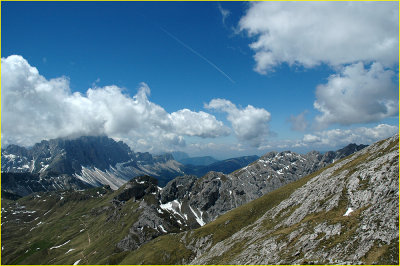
312 33
34 108
342 137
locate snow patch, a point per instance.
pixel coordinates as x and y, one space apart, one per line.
10 156
198 219
60 245
162 228
43 168
349 210
174 207
76 262
71 249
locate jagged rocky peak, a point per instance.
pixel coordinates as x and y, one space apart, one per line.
137 188
178 188
68 155
16 150
349 149
95 160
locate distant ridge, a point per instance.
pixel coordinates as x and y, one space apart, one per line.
198 161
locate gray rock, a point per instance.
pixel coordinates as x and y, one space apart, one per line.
337 217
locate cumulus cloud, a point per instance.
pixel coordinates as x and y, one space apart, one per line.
198 124
299 122
311 33
342 137
34 108
250 124
357 95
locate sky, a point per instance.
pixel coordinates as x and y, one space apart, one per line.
223 79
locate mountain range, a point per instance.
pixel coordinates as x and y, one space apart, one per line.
225 166
198 161
283 208
89 162
93 161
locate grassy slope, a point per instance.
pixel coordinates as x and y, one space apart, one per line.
78 217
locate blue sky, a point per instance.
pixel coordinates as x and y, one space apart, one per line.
177 55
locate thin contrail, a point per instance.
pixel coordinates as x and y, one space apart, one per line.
198 54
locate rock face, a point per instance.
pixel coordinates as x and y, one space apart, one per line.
216 193
346 213
92 161
152 220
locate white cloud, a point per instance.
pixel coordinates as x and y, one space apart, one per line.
357 95
311 33
34 108
308 138
224 13
342 137
249 124
299 122
333 139
198 124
